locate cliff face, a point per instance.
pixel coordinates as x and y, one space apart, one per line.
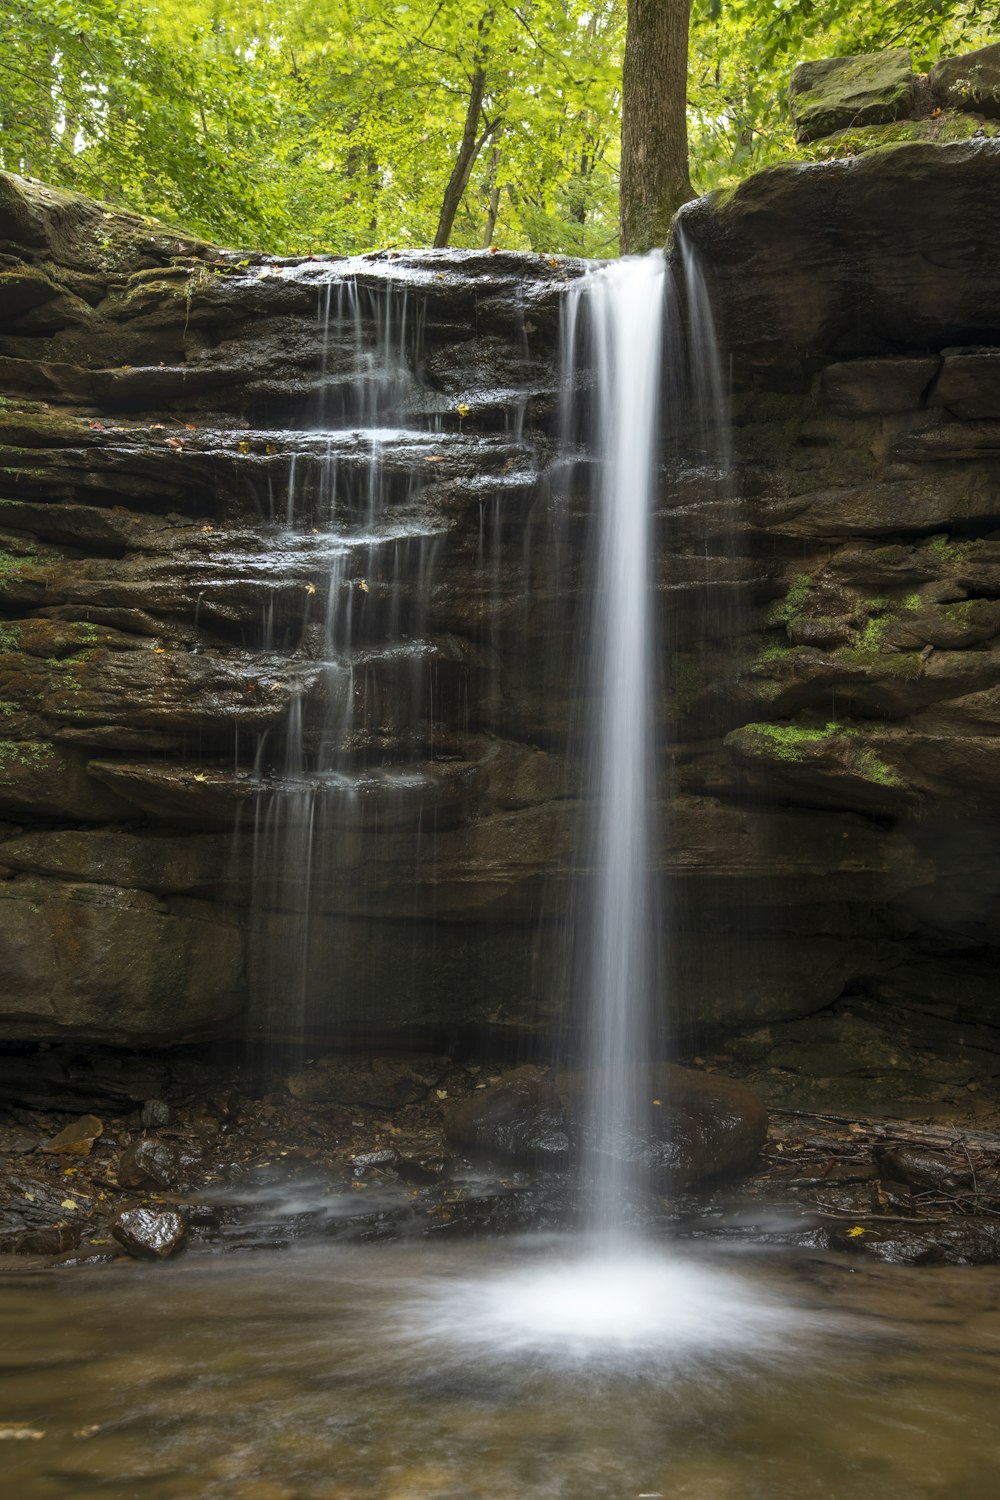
170 597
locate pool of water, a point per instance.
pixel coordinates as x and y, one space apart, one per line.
518 1371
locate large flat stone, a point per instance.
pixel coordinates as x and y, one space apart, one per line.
845 258
836 93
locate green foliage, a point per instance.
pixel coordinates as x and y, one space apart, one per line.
743 52
334 125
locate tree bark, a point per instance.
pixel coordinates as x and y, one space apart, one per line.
654 167
467 153
492 198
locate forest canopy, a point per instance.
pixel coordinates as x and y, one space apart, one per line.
343 125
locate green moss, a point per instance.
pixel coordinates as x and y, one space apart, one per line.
770 655
785 741
912 602
867 764
976 613
791 606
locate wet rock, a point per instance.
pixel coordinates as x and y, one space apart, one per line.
835 93
154 1114
374 1161
76 1139
148 1164
974 1242
969 384
149 1234
863 386
771 242
693 1126
924 1171
53 1239
521 1117
386 1081
970 82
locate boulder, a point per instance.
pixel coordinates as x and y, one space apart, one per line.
829 260
692 1126
836 93
970 82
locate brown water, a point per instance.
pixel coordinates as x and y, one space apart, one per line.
469 1373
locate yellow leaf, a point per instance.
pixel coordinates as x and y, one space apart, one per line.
310 588
856 1232
243 446
67 1203
658 1102
462 409
363 586
200 776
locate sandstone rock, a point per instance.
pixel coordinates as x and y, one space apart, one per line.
520 1117
862 386
969 82
969 384
697 1126
148 1164
154 1114
386 1081
76 1139
148 1234
96 961
859 297
924 1171
837 92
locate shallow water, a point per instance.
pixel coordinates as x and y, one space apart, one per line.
501 1372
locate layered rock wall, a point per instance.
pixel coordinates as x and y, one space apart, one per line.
830 613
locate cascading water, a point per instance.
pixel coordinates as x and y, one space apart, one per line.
621 308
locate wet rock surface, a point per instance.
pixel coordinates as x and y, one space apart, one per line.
254 1167
690 1127
830 619
147 1234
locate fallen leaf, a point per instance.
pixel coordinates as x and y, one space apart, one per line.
68 1203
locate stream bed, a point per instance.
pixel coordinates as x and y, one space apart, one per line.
519 1370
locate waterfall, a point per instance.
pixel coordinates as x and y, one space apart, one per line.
621 310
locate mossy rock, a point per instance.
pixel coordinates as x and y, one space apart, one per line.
942 129
841 93
971 82
24 288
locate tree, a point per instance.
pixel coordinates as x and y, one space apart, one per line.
655 179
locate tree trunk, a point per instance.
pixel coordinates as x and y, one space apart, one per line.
492 198
467 153
654 170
